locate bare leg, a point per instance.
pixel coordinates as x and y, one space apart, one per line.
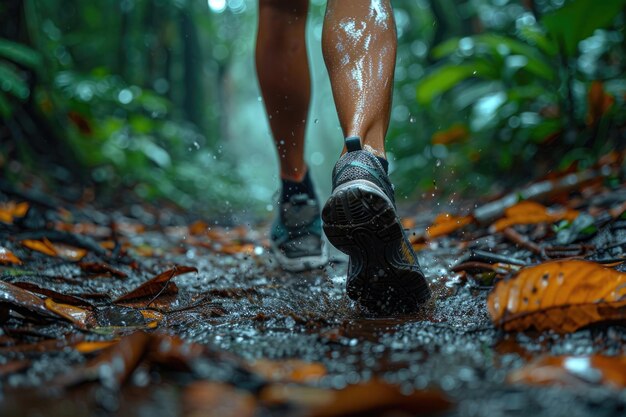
283 71
359 45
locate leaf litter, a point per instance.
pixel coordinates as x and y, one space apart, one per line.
244 338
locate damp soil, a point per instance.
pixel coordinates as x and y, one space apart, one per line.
243 304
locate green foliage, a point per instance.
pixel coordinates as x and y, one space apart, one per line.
13 84
524 92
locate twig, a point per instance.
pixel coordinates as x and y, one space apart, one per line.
521 240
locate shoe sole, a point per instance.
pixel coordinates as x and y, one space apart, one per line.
361 221
304 263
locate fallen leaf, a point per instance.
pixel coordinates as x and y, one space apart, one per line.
12 210
113 366
445 223
55 249
214 399
90 347
64 298
43 246
157 286
530 212
13 367
562 296
290 370
7 257
198 228
69 252
80 317
100 268
23 301
174 352
369 398
576 371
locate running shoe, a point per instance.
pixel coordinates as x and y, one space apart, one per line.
360 220
296 238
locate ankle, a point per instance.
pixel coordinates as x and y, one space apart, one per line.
289 187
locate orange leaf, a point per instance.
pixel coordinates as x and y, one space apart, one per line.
69 252
444 224
455 134
90 347
572 371
198 228
44 246
529 212
11 210
562 296
7 257
370 398
205 398
79 316
290 370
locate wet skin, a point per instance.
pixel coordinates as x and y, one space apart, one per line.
359 47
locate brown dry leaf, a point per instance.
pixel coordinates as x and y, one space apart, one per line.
7 257
371 398
530 212
101 269
113 366
157 286
174 352
198 228
445 223
573 371
562 296
90 347
13 367
455 134
22 301
80 317
12 210
64 298
44 246
69 252
214 399
291 370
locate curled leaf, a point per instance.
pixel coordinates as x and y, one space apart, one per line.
444 224
562 296
7 257
80 317
23 301
157 286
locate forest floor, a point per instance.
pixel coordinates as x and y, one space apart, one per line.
144 311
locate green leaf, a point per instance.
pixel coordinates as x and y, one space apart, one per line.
536 64
445 48
578 20
5 106
20 54
446 77
12 82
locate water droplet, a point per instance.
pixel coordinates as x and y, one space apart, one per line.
438 163
412 119
316 121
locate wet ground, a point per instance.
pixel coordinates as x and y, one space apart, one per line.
240 302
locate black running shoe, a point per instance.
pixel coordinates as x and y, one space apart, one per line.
296 237
360 220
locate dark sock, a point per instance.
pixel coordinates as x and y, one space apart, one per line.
384 163
291 188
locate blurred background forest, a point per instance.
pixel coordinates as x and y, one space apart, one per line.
158 98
